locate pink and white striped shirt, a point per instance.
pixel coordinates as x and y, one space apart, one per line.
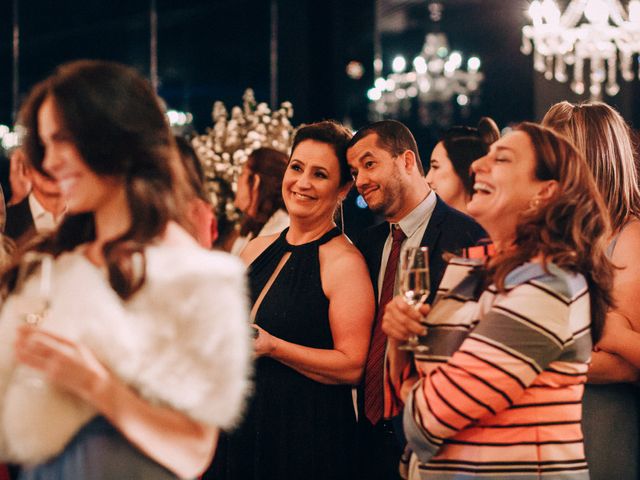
501 387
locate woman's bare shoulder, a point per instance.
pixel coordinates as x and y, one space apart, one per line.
256 246
627 249
340 260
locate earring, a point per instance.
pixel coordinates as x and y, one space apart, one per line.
341 217
534 203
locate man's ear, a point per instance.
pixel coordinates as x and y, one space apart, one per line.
408 160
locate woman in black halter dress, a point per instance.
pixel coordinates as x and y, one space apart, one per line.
313 307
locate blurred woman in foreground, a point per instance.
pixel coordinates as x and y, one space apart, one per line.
140 350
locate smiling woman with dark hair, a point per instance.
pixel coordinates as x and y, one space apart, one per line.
142 353
312 327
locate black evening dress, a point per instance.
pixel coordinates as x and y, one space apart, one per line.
295 427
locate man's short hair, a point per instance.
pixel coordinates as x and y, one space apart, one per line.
393 136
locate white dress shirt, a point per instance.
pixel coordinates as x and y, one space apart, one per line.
413 225
44 220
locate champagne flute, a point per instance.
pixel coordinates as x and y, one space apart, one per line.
415 287
33 285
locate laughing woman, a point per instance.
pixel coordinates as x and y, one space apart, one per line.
143 352
313 307
510 344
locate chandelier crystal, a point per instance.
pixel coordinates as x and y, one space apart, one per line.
435 79
601 32
438 76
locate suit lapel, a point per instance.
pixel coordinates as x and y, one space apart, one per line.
434 228
379 235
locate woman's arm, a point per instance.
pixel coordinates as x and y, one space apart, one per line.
608 367
621 337
170 438
346 283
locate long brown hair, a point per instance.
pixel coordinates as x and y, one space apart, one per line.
117 124
570 230
269 165
600 133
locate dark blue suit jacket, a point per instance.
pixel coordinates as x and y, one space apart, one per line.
448 231
20 225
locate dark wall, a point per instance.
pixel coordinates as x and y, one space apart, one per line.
207 49
316 41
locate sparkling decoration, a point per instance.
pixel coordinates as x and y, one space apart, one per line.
9 139
601 32
439 80
226 146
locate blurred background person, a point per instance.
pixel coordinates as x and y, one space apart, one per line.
509 345
140 351
39 212
19 182
449 173
259 197
200 210
604 138
313 327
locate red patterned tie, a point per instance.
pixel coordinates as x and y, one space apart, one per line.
374 369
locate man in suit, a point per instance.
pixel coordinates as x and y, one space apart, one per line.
40 211
388 173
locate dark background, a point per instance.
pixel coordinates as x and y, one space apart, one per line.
213 49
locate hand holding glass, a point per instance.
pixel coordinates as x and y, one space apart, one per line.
36 266
414 286
34 285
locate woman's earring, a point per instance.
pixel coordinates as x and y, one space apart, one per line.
341 217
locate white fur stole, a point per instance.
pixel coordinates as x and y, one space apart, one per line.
182 340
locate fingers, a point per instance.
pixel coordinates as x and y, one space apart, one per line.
401 320
44 336
43 351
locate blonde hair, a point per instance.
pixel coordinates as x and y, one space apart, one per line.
603 137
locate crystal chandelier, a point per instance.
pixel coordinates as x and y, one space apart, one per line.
438 77
600 31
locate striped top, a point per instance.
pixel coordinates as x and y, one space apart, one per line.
501 387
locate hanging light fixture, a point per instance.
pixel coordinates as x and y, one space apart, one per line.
435 79
601 32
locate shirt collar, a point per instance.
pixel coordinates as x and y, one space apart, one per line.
37 210
419 215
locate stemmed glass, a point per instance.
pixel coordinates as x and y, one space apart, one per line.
34 283
415 287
